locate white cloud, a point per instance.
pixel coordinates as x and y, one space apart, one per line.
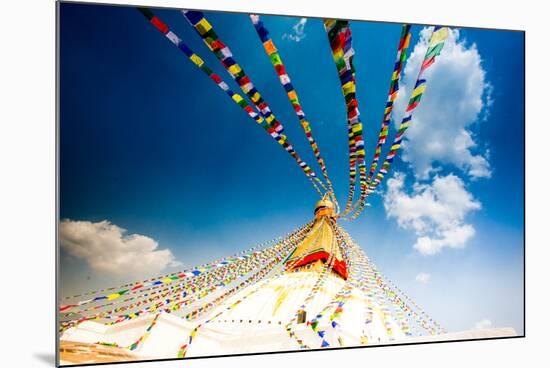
423 277
107 249
483 324
434 212
457 96
298 33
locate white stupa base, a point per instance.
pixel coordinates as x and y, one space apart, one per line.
258 324
171 332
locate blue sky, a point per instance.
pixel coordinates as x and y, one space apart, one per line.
151 145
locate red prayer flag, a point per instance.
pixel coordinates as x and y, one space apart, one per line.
161 26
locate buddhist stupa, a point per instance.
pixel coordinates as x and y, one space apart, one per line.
313 288
322 291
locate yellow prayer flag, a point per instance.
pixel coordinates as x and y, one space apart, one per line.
197 60
255 97
329 22
418 90
439 36
348 88
234 69
203 26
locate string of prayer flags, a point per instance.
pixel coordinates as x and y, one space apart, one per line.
435 46
189 273
220 49
225 56
184 277
189 291
404 41
286 82
194 294
340 39
259 276
400 58
265 119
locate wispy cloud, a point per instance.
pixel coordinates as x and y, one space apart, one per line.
107 249
435 212
483 324
298 31
423 277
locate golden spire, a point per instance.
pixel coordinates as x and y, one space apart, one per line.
319 245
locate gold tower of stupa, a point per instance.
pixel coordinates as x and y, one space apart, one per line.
320 248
